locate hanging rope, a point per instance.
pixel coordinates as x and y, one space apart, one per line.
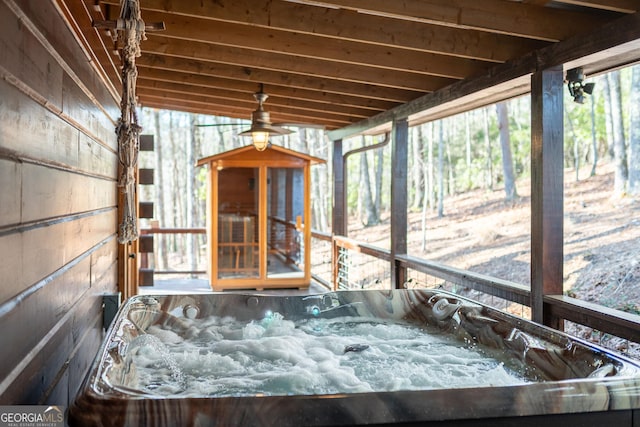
128 130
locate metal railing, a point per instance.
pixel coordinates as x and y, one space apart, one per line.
338 262
321 259
502 294
359 265
146 263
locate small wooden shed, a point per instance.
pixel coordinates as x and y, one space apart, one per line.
258 209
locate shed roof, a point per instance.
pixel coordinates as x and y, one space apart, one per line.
355 64
249 152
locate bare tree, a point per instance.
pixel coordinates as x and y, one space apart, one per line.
451 182
191 197
417 177
594 140
505 145
441 168
379 159
621 174
324 177
574 137
467 139
634 132
608 120
368 214
487 142
430 166
160 186
428 178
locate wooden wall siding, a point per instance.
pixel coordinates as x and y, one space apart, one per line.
58 205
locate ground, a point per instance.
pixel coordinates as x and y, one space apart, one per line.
481 232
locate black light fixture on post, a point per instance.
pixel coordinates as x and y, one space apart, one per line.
577 88
261 127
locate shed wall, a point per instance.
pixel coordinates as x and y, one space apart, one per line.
58 205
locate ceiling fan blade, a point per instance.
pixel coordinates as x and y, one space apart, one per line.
300 125
204 125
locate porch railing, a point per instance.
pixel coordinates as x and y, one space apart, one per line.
146 264
352 269
320 250
339 262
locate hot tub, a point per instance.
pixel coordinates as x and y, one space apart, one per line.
167 361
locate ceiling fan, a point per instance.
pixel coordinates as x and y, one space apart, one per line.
261 127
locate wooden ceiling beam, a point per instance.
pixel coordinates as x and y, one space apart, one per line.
215 110
274 100
297 45
205 68
499 16
156 74
226 111
353 26
622 6
618 40
187 107
250 60
277 113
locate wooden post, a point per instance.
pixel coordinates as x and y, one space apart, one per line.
307 223
546 190
399 199
339 223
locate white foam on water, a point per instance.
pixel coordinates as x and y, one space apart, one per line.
275 356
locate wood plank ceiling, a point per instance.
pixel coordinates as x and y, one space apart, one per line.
327 62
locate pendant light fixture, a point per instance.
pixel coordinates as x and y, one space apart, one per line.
261 127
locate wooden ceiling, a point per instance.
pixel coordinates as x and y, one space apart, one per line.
331 63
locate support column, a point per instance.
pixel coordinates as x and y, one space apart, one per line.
399 153
547 179
339 211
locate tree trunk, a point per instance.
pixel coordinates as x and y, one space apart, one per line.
417 177
175 198
324 178
619 144
430 167
159 184
505 145
608 118
634 132
487 142
368 216
379 158
222 130
467 136
574 137
451 182
594 140
427 167
423 245
441 169
191 195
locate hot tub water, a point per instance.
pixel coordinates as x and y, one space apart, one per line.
275 356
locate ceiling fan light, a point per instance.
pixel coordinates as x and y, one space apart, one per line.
261 127
260 140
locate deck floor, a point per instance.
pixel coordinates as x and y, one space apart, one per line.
201 286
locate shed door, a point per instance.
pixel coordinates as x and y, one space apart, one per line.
285 214
238 224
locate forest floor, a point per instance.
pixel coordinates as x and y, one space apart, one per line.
480 232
